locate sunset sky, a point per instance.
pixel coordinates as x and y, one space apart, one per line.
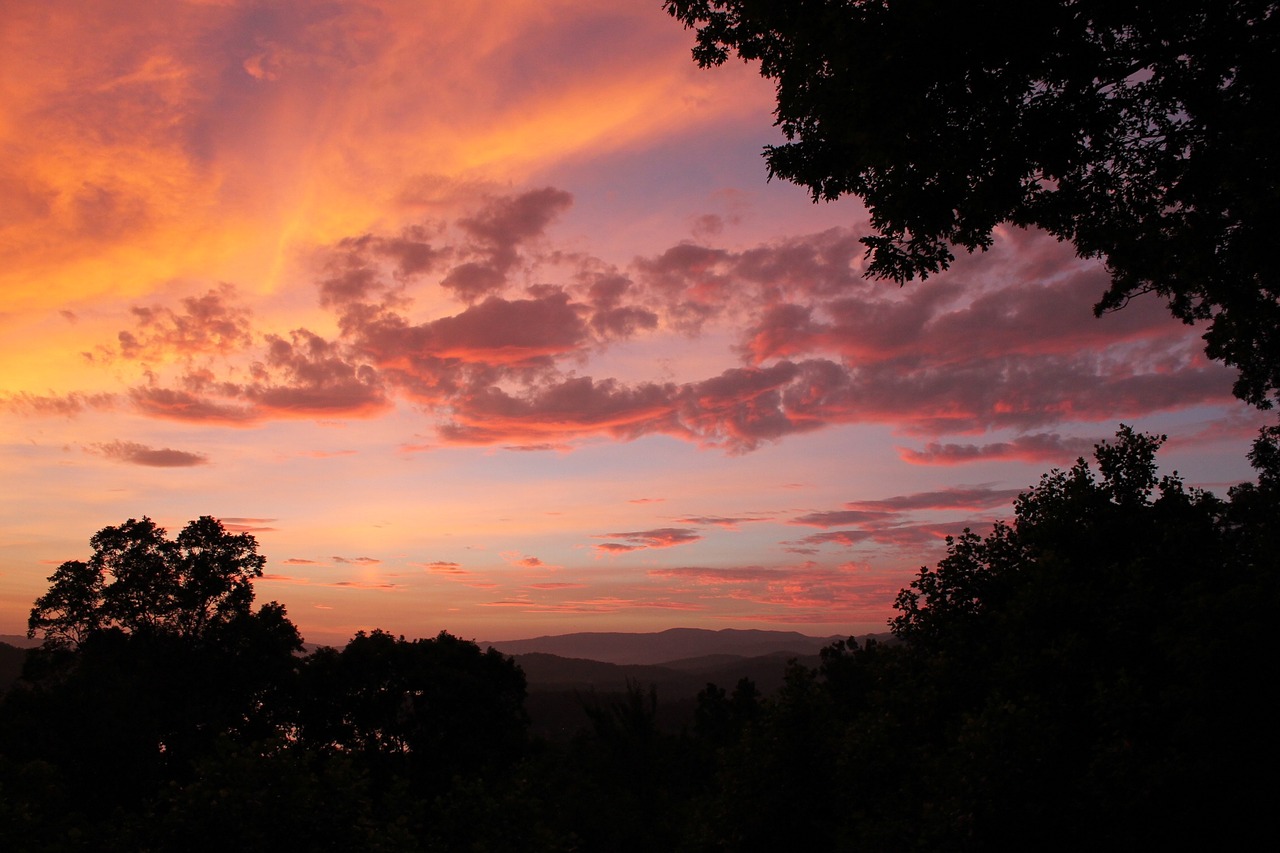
483 317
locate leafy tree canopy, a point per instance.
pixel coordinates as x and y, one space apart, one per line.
441 706
141 582
1141 132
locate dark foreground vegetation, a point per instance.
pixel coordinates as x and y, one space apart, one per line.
1090 676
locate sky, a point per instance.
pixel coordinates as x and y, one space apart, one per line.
484 317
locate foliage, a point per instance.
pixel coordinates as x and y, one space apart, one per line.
1140 132
142 582
1067 682
432 709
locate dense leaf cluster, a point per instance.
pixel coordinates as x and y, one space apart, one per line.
141 582
1141 132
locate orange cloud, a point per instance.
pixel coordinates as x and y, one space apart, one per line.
208 324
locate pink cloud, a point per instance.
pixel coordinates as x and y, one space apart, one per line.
237 524
596 605
719 521
274 578
840 537
571 408
503 224
307 375
302 377
381 586
208 324
662 537
836 518
1010 344
881 521
139 454
352 271
417 448
494 332
957 498
618 547
916 535
185 406
444 567
1026 448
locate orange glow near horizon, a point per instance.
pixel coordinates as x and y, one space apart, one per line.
484 318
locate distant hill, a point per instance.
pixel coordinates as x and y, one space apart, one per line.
564 671
675 680
559 686
665 646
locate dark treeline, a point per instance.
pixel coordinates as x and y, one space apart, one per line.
1089 676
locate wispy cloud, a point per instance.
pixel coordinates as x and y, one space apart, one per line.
636 540
955 498
839 517
212 323
838 591
383 586
1027 448
236 524
56 405
445 567
134 453
730 523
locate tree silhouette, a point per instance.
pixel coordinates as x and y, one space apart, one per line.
142 582
427 709
1140 132
152 653
1071 681
1077 673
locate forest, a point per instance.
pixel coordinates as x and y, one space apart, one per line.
1090 675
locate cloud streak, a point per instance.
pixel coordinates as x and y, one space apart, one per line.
637 540
133 453
1026 448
